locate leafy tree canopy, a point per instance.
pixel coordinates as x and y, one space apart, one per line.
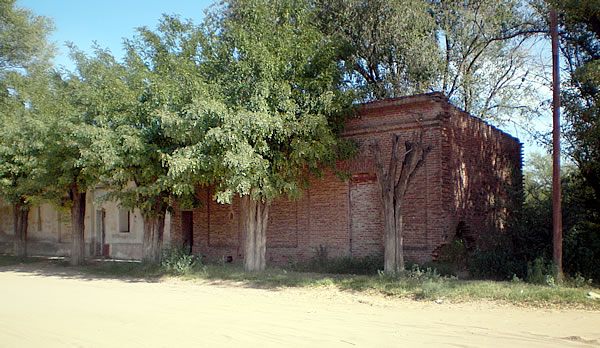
22 37
580 44
475 52
274 109
134 103
24 60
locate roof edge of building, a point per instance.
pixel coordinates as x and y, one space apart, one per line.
423 98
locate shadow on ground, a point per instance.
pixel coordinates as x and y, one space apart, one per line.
58 267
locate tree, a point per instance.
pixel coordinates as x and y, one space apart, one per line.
486 68
23 38
390 47
72 161
270 122
164 66
475 52
24 56
138 105
532 230
580 43
394 183
20 148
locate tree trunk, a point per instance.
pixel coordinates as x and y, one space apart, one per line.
21 216
154 227
78 226
394 183
255 215
393 231
398 238
390 233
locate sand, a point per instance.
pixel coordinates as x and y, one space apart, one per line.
55 307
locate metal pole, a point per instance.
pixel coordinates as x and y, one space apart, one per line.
556 204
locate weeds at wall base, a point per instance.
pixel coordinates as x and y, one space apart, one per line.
418 283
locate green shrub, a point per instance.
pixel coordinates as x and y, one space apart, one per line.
416 273
321 255
549 280
431 289
442 268
536 271
497 264
454 254
179 260
580 281
424 282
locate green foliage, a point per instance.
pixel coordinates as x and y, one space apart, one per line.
23 41
123 269
475 52
486 63
530 232
389 48
580 43
418 273
179 261
6 260
538 271
69 161
425 283
422 284
21 163
321 255
454 254
321 262
496 263
138 105
24 61
443 268
533 232
581 282
271 118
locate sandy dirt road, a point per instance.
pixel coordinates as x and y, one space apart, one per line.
61 308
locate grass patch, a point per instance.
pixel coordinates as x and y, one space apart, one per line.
124 270
520 293
8 260
272 277
415 284
418 284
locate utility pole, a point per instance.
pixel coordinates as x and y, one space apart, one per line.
556 204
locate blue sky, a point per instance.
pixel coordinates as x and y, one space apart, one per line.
107 21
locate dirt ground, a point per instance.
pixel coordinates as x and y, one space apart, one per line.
56 307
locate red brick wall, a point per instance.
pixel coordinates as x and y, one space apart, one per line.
366 216
346 217
423 213
483 166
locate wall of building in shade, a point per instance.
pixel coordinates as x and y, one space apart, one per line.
110 231
465 187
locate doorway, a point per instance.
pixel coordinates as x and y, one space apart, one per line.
187 230
100 233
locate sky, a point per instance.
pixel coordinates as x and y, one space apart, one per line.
107 22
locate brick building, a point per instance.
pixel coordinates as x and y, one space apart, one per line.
463 188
